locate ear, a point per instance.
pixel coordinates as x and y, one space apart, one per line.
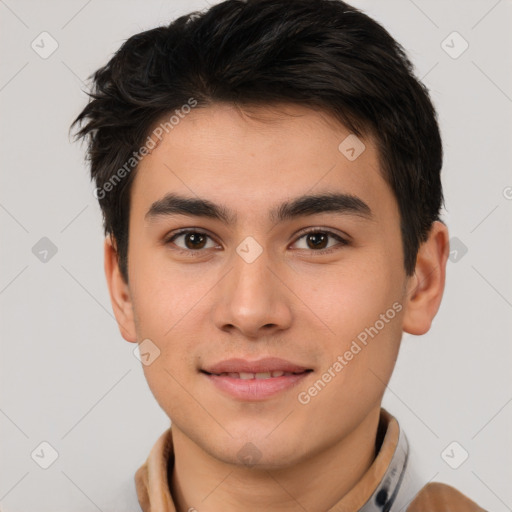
426 286
119 294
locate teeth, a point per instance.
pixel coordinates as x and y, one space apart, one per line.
260 375
263 375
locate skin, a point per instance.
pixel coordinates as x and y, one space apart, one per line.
290 303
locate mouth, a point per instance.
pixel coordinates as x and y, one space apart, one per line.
264 368
256 376
257 380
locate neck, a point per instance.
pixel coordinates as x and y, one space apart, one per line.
202 482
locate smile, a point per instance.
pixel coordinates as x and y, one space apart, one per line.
247 386
249 376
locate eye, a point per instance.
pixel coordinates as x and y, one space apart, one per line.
192 240
317 240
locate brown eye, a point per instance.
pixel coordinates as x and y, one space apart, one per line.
195 240
318 240
191 240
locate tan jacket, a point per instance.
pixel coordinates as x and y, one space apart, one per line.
384 486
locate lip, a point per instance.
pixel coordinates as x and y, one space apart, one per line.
255 389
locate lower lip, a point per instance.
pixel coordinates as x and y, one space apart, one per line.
255 389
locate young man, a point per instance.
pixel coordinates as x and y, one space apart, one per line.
269 175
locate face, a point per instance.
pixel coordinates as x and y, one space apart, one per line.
249 275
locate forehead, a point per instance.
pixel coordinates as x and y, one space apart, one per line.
255 158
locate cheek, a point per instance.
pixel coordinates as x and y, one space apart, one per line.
345 299
167 305
360 311
163 297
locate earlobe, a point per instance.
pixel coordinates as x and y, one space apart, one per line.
426 286
119 294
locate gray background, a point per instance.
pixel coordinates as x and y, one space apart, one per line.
69 378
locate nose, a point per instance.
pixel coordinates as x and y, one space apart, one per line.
253 298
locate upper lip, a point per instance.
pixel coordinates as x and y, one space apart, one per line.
267 364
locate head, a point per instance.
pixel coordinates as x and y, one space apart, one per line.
269 177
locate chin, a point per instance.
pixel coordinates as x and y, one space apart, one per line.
251 457
258 449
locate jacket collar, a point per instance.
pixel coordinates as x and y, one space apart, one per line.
385 487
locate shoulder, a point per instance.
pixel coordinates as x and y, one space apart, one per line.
438 497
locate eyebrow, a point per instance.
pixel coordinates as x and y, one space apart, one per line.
346 204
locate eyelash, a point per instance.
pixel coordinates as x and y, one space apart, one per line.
190 252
